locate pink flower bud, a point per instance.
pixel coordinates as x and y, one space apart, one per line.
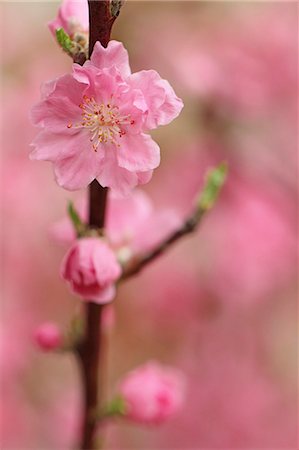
48 336
91 268
72 17
152 393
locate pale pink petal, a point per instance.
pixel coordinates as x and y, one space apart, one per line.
144 177
105 296
148 82
138 152
72 16
77 171
54 25
131 104
102 85
107 84
105 265
65 267
60 104
162 103
154 230
75 11
47 88
55 114
87 292
125 215
172 106
49 146
115 177
68 84
114 55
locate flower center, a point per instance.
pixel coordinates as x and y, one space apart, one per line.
103 121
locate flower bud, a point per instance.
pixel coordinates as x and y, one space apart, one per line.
91 268
152 393
47 336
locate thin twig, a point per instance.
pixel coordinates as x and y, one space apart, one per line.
140 261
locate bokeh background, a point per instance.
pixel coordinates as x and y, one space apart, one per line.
221 304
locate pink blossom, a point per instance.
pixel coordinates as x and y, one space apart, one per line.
72 17
48 336
91 268
152 393
94 121
132 223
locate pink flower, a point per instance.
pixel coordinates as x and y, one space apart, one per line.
72 17
94 121
91 268
152 393
48 336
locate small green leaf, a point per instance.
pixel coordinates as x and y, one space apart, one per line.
117 407
215 178
76 220
64 40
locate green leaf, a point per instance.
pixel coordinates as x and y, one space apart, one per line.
64 40
76 220
117 407
215 179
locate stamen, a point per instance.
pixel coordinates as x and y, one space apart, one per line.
103 121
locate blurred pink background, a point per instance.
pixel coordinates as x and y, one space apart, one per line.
221 304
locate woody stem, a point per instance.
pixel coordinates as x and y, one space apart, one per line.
101 20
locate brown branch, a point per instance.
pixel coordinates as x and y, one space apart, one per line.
100 21
140 261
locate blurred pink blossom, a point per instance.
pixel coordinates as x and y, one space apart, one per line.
94 121
48 336
91 268
254 70
252 237
152 393
133 224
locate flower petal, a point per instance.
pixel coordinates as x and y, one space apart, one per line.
55 113
75 10
60 104
144 177
114 55
50 146
115 177
72 15
78 170
102 85
162 102
105 296
138 153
